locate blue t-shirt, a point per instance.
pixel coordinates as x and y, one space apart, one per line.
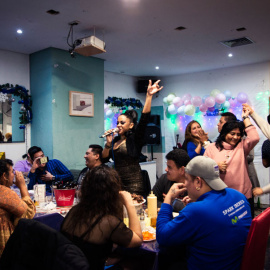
213 229
191 150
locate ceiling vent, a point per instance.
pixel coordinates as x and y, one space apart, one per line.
237 42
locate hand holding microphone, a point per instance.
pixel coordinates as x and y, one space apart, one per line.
109 132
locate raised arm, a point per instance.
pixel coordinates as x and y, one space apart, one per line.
134 223
260 122
151 90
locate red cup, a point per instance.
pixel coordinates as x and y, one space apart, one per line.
64 197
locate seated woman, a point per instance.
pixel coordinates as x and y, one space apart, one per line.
95 223
24 166
12 208
230 152
195 139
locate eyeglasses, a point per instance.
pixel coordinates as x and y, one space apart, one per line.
121 122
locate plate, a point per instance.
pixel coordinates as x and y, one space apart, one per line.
137 204
149 232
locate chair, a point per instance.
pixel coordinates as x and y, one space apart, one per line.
34 245
146 182
255 248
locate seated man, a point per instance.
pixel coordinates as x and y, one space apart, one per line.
45 173
177 159
215 223
93 158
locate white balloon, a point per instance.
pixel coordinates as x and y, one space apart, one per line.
109 113
170 98
172 109
181 110
190 110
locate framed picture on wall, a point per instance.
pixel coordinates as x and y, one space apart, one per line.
81 104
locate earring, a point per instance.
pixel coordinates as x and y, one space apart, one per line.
197 188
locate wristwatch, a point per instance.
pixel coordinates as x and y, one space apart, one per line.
245 117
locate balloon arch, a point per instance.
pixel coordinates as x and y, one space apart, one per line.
210 105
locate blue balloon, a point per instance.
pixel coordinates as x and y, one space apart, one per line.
205 97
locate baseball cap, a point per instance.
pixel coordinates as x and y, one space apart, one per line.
207 169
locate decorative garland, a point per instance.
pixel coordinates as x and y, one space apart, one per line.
124 103
114 105
26 101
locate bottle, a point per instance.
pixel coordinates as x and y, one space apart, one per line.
142 221
259 203
152 208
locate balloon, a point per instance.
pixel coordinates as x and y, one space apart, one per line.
204 98
228 94
242 97
170 98
203 108
186 97
189 110
218 106
211 109
220 98
181 110
165 100
177 101
172 109
226 104
214 92
210 102
109 113
187 102
233 102
196 101
197 110
106 107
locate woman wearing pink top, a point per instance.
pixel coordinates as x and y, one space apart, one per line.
230 152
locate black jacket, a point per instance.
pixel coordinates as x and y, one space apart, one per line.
34 245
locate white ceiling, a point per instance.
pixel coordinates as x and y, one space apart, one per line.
139 34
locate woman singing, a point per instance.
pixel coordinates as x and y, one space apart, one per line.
125 148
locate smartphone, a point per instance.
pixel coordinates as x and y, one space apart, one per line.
43 160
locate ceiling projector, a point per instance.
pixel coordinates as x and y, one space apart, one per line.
90 46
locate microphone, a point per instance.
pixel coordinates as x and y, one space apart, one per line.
106 133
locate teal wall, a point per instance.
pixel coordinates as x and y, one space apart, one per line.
17 133
66 137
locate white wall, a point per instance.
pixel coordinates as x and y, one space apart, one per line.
251 79
14 69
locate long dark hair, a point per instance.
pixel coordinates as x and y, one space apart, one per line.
188 135
227 128
99 197
132 115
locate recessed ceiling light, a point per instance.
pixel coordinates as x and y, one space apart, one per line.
230 55
19 31
157 67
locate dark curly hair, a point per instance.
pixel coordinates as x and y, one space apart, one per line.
4 167
132 115
179 156
227 128
99 197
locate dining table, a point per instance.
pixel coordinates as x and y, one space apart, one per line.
146 255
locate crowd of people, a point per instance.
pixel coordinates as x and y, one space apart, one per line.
211 184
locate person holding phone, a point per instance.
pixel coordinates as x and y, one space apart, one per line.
44 171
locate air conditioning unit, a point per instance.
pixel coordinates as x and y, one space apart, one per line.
90 46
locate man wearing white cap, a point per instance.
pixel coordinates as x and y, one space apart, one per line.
215 223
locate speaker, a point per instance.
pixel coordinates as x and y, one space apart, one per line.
142 86
152 133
